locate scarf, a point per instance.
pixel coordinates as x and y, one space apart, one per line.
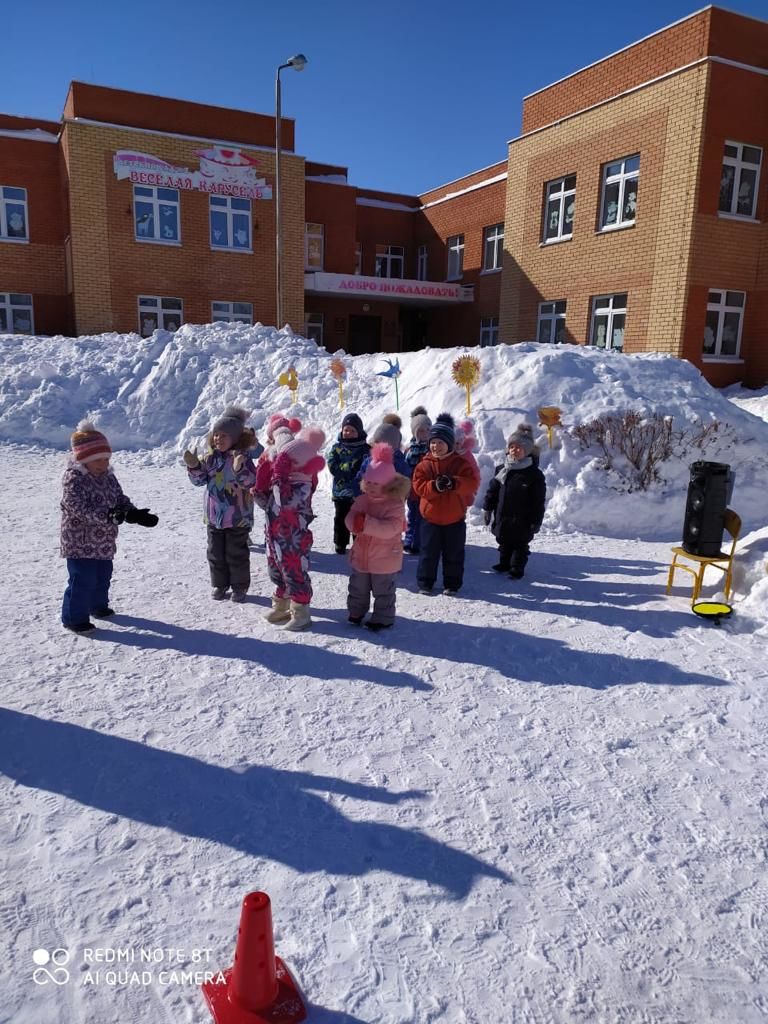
510 464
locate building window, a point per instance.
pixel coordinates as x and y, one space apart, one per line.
493 247
620 185
231 312
740 179
154 313
313 246
609 313
722 333
314 327
455 246
421 263
16 314
390 260
550 327
489 331
14 225
559 208
230 223
156 214
358 258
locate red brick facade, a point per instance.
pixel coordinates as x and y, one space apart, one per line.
378 271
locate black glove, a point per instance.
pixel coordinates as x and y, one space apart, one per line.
141 516
117 514
444 483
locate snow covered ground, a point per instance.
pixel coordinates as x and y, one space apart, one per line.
538 802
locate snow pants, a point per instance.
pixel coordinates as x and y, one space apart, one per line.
382 585
288 562
87 590
340 531
412 537
229 557
446 542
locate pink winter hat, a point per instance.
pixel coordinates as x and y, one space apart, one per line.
303 450
277 422
89 444
380 469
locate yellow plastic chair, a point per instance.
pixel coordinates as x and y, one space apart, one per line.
723 561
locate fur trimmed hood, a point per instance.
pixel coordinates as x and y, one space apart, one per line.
399 487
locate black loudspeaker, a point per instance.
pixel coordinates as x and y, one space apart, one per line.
705 507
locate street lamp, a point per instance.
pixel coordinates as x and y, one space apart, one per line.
298 63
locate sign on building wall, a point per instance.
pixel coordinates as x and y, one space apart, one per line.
223 172
390 288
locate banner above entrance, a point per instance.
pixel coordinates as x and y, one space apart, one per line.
388 289
223 172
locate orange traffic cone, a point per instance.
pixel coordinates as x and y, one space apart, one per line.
259 988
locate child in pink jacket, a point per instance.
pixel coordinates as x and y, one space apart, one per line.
376 520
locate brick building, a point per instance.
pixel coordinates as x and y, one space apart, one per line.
630 214
636 209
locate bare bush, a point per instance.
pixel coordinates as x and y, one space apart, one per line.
635 446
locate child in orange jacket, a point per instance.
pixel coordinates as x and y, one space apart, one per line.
446 485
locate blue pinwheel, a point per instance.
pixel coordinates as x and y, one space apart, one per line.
393 371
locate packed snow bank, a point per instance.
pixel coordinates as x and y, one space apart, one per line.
755 402
163 393
750 583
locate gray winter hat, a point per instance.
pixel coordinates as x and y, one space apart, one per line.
389 430
523 437
419 420
231 423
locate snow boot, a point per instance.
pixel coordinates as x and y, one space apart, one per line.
299 618
280 611
220 593
238 596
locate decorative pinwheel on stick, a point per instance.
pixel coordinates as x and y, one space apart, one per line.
549 417
339 371
394 372
290 379
466 373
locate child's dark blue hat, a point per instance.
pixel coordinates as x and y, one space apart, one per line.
444 429
353 420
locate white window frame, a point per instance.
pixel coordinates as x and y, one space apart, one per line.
722 306
422 263
10 301
390 258
739 164
226 205
609 313
358 259
158 305
231 312
493 237
454 245
624 179
5 202
559 192
314 233
316 324
489 331
552 313
154 200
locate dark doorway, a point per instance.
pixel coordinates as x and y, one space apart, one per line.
413 329
364 335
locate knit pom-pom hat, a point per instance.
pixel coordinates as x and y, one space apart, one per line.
523 436
466 441
380 469
304 448
231 423
278 420
389 430
419 420
444 429
88 443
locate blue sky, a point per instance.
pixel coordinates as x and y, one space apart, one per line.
406 95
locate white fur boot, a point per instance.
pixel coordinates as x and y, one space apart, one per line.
280 611
299 617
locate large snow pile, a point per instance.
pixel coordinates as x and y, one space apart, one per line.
164 392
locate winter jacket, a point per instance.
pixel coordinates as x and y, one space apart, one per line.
86 529
228 502
399 462
378 547
344 461
286 497
414 454
516 499
444 507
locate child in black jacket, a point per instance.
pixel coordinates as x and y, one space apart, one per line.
514 502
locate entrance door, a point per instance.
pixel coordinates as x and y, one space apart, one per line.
364 335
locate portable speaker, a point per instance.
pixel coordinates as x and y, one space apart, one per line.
705 507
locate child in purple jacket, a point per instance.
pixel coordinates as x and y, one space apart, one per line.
92 507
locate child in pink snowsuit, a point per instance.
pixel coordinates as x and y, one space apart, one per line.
284 487
377 521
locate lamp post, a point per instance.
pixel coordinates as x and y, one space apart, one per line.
296 62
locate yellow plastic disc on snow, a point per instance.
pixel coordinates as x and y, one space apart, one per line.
712 609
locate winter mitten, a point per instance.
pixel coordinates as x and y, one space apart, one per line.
238 462
444 483
358 523
141 517
190 458
117 514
